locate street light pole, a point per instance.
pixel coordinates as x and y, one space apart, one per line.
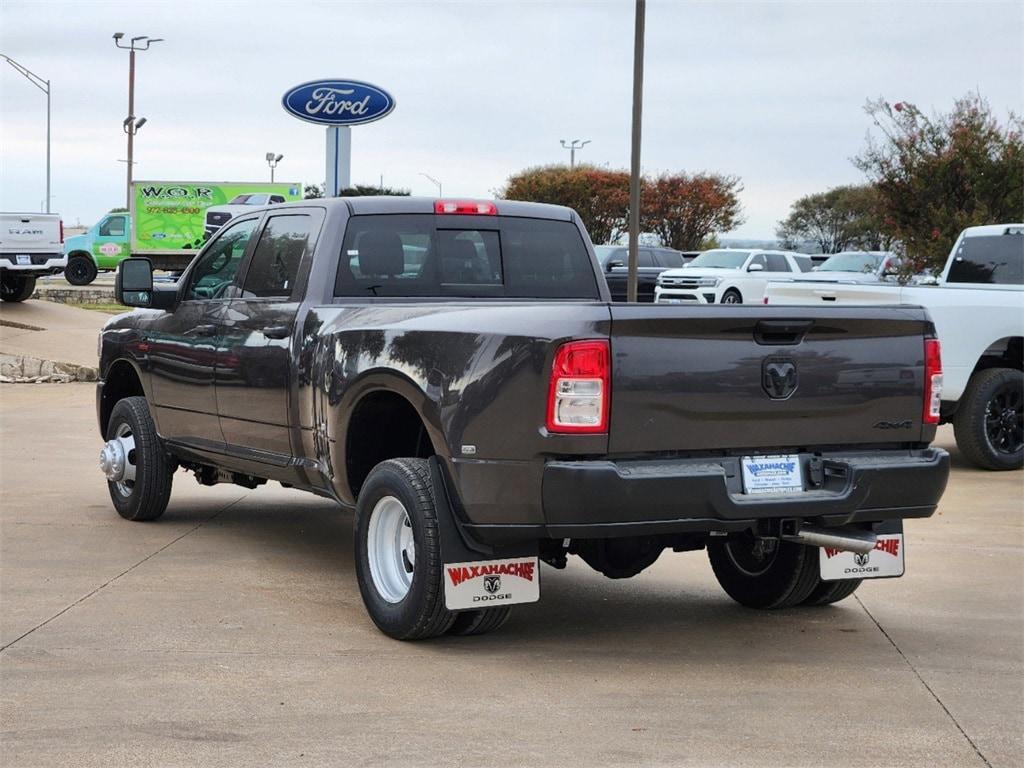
634 169
131 125
572 147
432 179
272 161
44 86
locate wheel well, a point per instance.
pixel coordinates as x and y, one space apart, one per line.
1008 352
80 253
121 381
383 426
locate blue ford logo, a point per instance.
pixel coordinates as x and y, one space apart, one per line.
338 102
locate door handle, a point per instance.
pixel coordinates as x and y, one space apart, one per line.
202 330
277 331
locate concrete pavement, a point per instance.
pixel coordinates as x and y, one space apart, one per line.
231 633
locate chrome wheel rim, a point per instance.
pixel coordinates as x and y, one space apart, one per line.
117 460
391 549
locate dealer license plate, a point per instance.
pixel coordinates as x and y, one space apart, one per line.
24 259
884 561
491 583
772 474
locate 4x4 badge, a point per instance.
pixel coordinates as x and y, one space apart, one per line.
778 377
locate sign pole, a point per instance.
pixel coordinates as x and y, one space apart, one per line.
339 160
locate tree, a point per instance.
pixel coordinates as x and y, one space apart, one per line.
840 219
937 175
314 191
599 196
684 210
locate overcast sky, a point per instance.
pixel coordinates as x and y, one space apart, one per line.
770 92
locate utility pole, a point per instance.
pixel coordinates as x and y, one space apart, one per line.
572 147
634 166
131 125
44 86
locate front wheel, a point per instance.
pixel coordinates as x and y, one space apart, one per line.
989 422
139 473
15 288
732 296
764 573
398 551
81 270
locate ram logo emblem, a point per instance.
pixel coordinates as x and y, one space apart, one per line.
779 378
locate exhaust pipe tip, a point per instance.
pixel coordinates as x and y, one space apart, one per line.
843 539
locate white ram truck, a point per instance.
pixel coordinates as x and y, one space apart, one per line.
31 244
977 305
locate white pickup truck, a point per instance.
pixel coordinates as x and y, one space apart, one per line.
31 244
977 305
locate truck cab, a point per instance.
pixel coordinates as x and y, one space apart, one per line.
102 247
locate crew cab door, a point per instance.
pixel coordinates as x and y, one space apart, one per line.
183 344
255 364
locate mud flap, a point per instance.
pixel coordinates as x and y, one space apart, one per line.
476 575
885 561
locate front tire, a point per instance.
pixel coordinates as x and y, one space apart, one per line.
398 551
764 573
989 422
139 473
16 288
732 296
81 270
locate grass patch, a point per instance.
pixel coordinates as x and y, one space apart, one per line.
112 307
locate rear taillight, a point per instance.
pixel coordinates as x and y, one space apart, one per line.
470 207
62 230
580 388
932 381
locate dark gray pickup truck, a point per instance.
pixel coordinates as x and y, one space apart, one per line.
455 372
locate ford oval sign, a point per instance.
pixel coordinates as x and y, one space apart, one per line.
338 102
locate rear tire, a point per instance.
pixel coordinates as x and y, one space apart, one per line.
398 551
145 496
764 573
828 592
988 421
81 270
16 288
479 622
732 296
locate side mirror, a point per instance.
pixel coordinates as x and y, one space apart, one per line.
755 268
133 286
613 263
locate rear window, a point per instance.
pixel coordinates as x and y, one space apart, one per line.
996 259
465 256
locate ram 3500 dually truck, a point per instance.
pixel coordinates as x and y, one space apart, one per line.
455 373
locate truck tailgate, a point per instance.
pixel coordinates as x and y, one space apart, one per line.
29 233
731 377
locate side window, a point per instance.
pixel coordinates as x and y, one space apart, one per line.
758 259
670 259
805 264
645 258
114 226
216 269
276 199
275 262
995 260
777 263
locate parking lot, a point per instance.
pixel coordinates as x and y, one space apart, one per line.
232 632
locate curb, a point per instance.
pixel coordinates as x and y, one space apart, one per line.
22 369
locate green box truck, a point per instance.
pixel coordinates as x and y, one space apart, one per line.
168 223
